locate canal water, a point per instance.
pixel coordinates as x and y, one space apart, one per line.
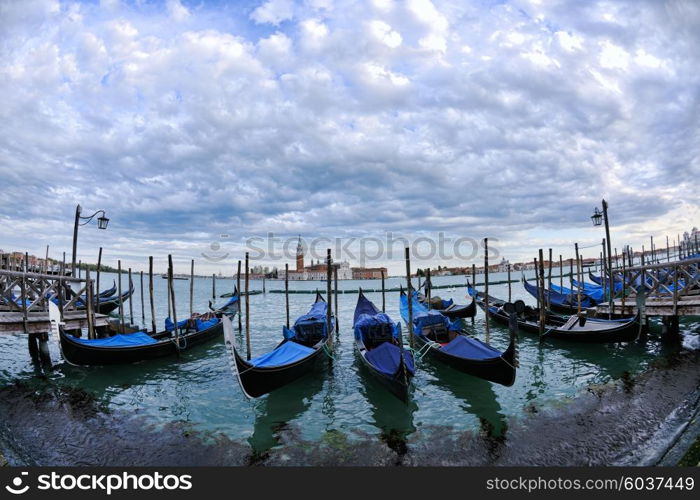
198 389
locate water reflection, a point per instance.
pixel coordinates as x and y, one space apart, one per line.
392 417
476 397
276 410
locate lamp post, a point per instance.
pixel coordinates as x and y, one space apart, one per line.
596 218
102 222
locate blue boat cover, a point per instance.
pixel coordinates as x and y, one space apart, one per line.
386 357
365 321
466 347
316 313
287 353
203 325
561 296
170 327
199 324
422 317
120 340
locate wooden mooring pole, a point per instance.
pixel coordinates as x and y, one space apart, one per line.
247 308
238 287
329 308
409 296
171 289
335 299
121 300
191 287
486 289
286 291
383 292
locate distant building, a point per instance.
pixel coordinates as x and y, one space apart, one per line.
368 273
315 271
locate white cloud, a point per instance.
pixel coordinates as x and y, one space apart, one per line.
177 11
274 12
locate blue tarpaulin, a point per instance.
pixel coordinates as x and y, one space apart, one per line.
365 322
386 357
119 340
466 347
287 353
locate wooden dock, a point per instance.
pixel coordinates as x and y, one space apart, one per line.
685 306
13 322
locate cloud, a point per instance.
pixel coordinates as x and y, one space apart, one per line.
333 118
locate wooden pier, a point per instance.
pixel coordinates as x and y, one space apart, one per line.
668 290
38 322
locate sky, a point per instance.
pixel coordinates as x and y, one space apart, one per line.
205 129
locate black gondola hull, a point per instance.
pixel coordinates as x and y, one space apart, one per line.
627 332
500 370
81 354
397 384
257 382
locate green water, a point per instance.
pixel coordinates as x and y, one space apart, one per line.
339 400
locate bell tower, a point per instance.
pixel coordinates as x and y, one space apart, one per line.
300 255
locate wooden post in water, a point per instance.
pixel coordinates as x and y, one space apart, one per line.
131 300
121 302
213 286
537 282
509 290
428 286
474 285
150 293
80 269
89 305
383 297
99 265
238 287
486 289
264 290
247 308
578 272
286 291
651 246
191 287
549 280
409 296
335 299
171 288
624 283
543 299
46 261
143 305
329 308
606 276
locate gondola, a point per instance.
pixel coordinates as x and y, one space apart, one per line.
565 303
572 328
448 307
379 345
303 345
140 346
447 343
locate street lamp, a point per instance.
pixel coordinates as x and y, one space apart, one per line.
596 218
102 222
